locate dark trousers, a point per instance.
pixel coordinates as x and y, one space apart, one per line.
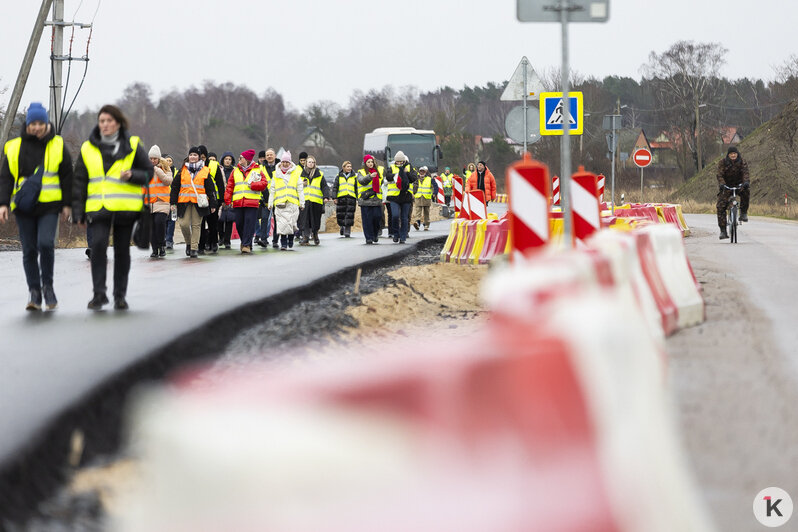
246 219
100 234
209 231
371 222
37 235
310 218
225 232
158 230
447 199
389 212
264 223
724 198
400 219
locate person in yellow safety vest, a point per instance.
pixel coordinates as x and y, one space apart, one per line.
447 178
109 175
158 197
244 190
267 164
286 200
170 224
344 195
400 178
426 189
369 197
38 147
192 196
316 193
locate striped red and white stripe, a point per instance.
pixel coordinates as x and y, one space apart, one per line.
528 191
601 180
555 190
457 193
476 205
584 205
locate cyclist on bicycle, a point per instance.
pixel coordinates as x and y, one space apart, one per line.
732 172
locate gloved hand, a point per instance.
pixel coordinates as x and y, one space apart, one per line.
746 186
720 188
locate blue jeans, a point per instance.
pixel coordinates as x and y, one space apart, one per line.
246 220
170 231
371 221
37 235
400 219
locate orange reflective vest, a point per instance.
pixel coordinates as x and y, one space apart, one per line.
190 189
158 191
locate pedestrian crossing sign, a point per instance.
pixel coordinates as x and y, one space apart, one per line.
551 113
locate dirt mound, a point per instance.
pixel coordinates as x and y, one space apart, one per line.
772 161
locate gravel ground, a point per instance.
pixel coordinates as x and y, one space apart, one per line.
736 403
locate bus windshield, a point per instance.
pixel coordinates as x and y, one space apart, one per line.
419 149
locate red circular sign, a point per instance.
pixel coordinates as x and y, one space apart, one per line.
642 157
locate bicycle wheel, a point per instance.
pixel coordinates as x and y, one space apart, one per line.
733 224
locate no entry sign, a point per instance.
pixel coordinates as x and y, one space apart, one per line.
642 157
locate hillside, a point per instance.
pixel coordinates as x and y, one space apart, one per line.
772 155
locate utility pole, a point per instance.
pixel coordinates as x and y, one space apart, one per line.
24 70
57 51
697 132
565 145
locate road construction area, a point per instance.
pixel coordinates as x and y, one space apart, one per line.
732 380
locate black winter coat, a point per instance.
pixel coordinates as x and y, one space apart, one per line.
31 155
346 206
141 171
409 176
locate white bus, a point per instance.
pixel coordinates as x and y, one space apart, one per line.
418 145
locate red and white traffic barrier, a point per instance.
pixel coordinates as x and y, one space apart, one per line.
555 190
441 197
585 208
457 193
476 205
528 191
600 184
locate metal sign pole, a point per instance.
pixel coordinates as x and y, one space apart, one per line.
641 184
614 144
526 95
565 146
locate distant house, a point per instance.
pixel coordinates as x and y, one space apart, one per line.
313 141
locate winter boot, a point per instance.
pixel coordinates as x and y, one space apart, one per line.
348 231
120 303
34 300
316 238
744 216
50 301
98 301
290 241
283 242
723 233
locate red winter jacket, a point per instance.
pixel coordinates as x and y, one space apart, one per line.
257 186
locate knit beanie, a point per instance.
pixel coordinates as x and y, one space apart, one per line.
248 155
202 150
261 153
366 158
36 113
400 157
303 155
286 157
193 149
155 152
212 154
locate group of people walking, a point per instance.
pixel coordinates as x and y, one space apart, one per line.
115 178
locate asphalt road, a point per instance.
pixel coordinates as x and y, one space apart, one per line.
50 361
734 379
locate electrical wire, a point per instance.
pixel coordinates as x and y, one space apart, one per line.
85 66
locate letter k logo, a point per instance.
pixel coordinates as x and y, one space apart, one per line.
772 506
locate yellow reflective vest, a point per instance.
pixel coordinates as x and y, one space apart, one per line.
363 188
312 191
285 191
53 156
447 180
212 167
424 187
241 189
393 190
346 186
108 191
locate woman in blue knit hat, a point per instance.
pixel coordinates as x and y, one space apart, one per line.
37 151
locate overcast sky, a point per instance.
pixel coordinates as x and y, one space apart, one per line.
324 50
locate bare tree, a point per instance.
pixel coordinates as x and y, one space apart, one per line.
685 78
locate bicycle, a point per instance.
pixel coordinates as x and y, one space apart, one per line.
733 219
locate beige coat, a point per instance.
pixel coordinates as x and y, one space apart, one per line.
166 179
